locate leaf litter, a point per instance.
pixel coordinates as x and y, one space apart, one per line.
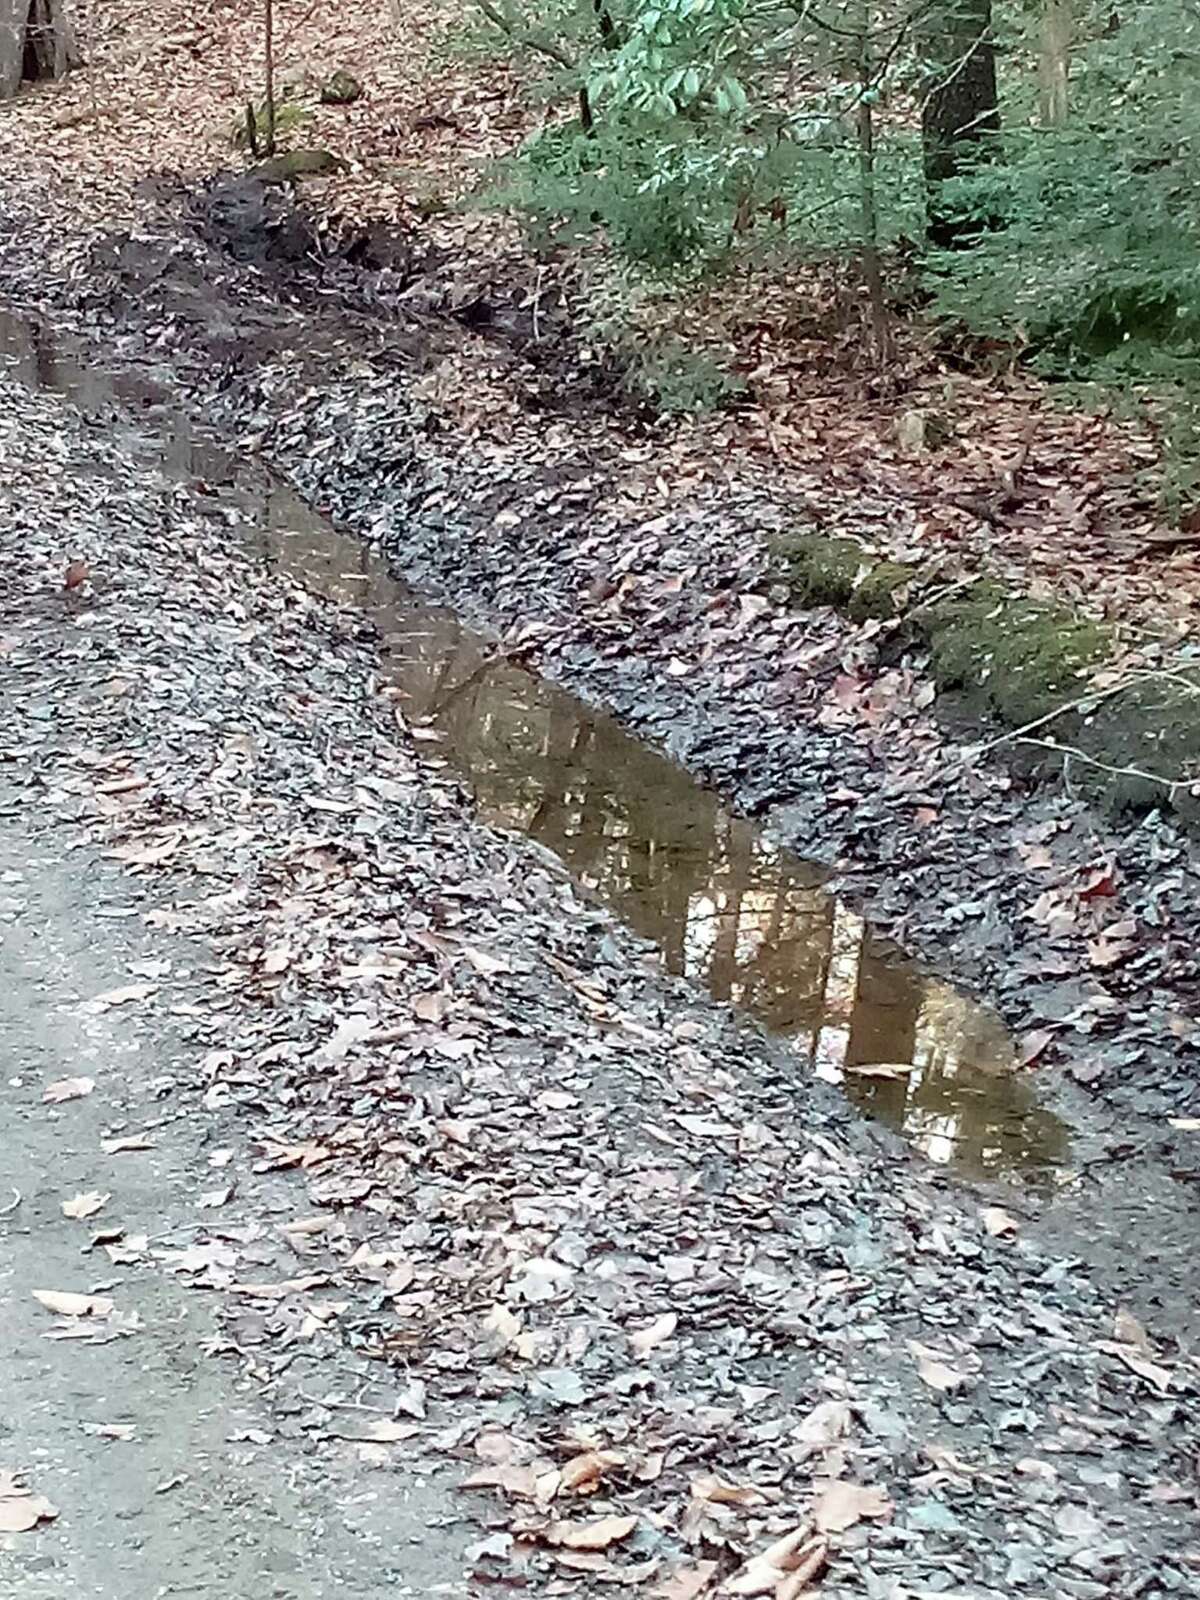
709 1358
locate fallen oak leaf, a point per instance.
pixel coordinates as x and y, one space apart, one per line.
597 1534
85 1205
841 1505
20 1509
998 1222
64 1304
56 1094
713 1489
783 1568
685 1583
645 1339
935 1370
583 1473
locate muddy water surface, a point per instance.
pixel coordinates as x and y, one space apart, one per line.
725 905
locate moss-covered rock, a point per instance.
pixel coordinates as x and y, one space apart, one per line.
820 571
1024 657
995 654
882 591
295 164
341 89
817 571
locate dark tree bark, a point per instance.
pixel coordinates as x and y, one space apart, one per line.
36 42
960 119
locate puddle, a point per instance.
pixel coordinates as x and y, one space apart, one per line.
725 905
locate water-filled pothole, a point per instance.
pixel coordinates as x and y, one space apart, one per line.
725 905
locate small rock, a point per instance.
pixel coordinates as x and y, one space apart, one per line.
342 89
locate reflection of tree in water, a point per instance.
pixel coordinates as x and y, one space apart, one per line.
749 921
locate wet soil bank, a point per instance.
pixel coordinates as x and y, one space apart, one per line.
658 1297
559 531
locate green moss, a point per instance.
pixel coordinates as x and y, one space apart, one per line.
1025 658
1019 660
817 570
839 573
288 117
881 591
297 164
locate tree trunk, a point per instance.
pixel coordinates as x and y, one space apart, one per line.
36 42
868 198
1054 61
960 119
269 76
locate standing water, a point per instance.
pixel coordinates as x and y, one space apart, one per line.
725 905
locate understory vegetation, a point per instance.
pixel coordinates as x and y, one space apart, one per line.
1023 169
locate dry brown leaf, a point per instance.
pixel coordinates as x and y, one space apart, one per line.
583 1473
645 1339
486 965
935 1370
597 1534
1138 1362
717 1492
999 1222
85 1205
685 1583
64 1304
881 1069
126 995
783 1568
840 1505
55 1094
21 1509
128 1141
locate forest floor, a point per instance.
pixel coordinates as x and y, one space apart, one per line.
1052 500
378 1217
548 1216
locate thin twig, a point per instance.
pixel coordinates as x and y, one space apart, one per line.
9 1209
936 598
1072 752
531 41
1091 697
